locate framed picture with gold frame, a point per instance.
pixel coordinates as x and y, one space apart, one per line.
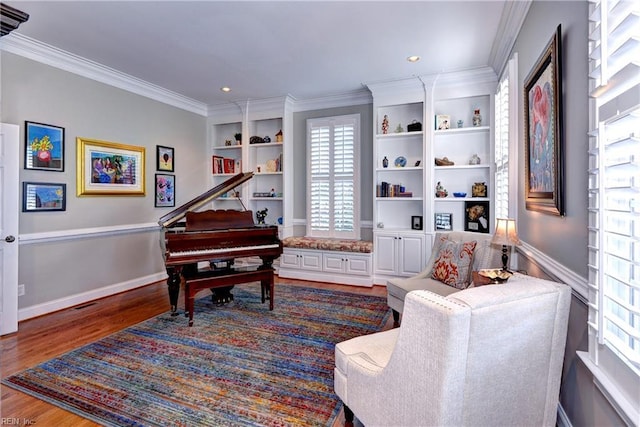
109 168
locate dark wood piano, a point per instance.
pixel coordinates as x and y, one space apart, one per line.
216 237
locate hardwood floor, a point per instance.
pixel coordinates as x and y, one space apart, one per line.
45 337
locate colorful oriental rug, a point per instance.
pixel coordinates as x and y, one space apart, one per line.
239 365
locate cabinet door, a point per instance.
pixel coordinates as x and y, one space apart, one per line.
290 259
411 259
333 262
359 265
385 253
311 261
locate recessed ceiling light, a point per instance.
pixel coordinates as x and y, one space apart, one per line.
225 89
413 58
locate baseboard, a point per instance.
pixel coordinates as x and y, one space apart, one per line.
321 276
81 298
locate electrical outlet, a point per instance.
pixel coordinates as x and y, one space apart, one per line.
20 290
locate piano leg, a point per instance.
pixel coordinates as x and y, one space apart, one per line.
173 283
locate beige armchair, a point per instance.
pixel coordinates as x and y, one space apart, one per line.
486 255
485 356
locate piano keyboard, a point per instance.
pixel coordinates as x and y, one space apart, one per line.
213 251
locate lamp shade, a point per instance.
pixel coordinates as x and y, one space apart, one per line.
506 233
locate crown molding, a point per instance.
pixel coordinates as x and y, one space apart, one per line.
359 97
511 21
41 52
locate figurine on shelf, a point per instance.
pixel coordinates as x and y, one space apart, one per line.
279 136
475 160
261 215
385 162
477 118
399 128
385 125
440 190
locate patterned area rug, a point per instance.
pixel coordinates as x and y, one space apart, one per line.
239 364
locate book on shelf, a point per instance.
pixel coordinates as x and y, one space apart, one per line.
386 189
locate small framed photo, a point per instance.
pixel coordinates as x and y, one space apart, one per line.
44 147
476 216
217 164
416 222
443 222
41 196
443 122
229 165
164 158
165 190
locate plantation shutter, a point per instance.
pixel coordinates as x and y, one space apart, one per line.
333 187
501 148
614 201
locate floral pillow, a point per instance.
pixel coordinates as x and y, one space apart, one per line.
453 263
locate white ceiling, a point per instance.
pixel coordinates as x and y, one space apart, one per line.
264 49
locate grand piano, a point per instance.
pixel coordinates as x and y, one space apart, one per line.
217 238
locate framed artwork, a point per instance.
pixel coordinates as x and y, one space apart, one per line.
109 168
44 147
217 163
165 190
443 122
443 222
476 216
416 222
164 158
544 153
43 196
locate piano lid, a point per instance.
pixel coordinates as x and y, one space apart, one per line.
192 205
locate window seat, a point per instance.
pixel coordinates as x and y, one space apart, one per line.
360 246
327 260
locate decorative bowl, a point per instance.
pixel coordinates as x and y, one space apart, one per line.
458 194
400 162
495 275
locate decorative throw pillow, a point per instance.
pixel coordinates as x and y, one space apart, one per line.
453 263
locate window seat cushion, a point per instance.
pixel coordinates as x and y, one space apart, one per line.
362 246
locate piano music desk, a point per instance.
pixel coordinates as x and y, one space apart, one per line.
210 279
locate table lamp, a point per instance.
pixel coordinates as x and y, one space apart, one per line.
505 235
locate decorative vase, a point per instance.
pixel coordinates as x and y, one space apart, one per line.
477 118
385 162
44 155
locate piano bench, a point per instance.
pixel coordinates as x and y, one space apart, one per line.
211 279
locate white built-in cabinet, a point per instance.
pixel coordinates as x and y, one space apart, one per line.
269 161
404 217
399 253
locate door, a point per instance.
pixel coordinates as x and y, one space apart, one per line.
9 185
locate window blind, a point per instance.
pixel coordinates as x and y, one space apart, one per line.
333 186
614 197
501 148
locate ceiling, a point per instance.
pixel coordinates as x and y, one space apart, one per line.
264 49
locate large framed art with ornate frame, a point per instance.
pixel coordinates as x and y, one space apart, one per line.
544 145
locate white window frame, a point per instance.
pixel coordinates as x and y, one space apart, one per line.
331 123
506 144
614 93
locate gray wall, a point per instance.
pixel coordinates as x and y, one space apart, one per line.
53 270
561 238
564 239
366 162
